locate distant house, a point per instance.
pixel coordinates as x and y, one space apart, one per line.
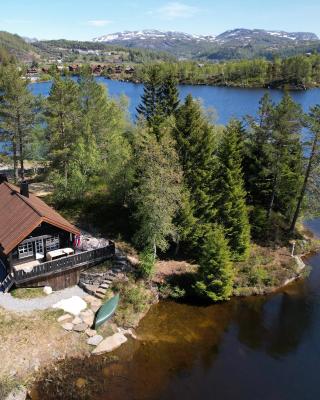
118 69
97 69
129 70
32 71
37 245
74 68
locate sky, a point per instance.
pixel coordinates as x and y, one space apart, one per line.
85 19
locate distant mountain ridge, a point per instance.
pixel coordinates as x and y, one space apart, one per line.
236 43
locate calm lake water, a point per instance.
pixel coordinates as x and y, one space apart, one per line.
228 102
257 348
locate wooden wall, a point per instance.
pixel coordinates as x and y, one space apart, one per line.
57 281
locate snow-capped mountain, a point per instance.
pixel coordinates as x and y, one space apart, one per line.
236 43
151 35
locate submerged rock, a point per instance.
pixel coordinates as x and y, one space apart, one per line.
110 343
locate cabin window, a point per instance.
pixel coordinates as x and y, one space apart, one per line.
53 243
25 250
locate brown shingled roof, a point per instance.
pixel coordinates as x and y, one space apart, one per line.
20 215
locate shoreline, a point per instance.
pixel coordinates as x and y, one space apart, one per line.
76 346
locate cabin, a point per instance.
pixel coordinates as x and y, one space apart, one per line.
129 70
74 68
38 246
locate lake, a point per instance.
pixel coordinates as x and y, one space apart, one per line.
228 102
255 348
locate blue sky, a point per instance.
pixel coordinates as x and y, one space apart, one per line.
84 20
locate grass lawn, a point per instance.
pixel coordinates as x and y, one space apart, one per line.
28 293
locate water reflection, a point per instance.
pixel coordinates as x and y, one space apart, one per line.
259 348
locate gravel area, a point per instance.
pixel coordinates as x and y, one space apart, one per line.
18 305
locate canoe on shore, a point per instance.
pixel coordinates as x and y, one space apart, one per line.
106 311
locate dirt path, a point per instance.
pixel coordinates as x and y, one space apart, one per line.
18 305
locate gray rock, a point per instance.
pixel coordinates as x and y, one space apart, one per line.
80 327
110 343
95 340
64 317
68 326
91 332
76 321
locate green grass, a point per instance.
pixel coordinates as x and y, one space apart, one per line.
28 293
7 385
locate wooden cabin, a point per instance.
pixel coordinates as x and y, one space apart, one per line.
30 230
37 245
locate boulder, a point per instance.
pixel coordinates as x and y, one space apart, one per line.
95 340
88 319
64 317
47 290
80 327
68 326
110 343
77 321
91 332
74 305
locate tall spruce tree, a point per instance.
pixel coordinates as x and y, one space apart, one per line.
257 160
196 143
232 211
169 95
17 114
150 107
313 122
215 274
286 157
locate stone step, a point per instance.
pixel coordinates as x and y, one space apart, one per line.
99 295
104 286
101 290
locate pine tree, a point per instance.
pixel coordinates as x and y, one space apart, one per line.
286 156
232 211
215 274
150 107
169 95
196 145
257 160
17 114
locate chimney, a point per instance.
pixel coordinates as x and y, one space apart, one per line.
3 178
24 188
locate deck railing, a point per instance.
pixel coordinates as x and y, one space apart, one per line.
66 263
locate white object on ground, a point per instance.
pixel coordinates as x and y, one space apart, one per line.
73 306
47 290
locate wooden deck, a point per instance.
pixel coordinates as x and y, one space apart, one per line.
65 266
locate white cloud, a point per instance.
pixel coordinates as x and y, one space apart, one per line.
98 23
175 10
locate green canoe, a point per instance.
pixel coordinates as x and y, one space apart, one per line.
106 311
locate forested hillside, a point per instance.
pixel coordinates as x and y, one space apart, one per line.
173 182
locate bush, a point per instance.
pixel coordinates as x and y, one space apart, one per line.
135 299
147 262
168 291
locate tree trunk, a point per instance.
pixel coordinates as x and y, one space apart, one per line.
21 157
15 161
274 186
305 183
